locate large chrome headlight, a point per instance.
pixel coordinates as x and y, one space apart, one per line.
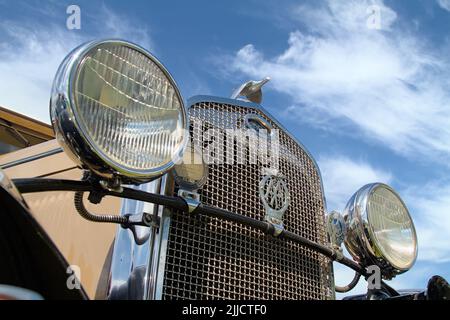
380 230
117 111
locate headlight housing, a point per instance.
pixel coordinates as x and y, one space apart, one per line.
380 230
117 111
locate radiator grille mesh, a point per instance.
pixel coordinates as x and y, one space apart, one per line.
208 258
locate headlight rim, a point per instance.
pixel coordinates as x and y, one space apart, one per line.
361 241
65 119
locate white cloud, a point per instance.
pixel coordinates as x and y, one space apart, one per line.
385 83
342 177
350 15
430 205
444 4
28 65
31 53
115 25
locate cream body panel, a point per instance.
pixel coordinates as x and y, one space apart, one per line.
83 243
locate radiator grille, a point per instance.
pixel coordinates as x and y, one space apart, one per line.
208 258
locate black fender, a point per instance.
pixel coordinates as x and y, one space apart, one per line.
28 257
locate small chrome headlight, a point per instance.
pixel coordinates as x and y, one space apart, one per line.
380 230
191 172
336 228
117 111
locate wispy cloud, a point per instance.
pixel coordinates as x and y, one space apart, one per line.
430 204
115 25
343 176
31 52
388 84
444 4
29 60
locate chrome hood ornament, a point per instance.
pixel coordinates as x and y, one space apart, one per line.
251 90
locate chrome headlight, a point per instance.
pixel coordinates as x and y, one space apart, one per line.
380 230
117 111
192 171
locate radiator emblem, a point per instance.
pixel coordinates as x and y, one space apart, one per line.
274 194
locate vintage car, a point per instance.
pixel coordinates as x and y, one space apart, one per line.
142 195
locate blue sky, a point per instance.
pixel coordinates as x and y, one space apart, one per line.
370 104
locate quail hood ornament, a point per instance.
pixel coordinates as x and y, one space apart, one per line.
251 90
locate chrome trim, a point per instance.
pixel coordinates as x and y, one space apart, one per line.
137 270
9 186
31 158
359 240
160 263
260 120
8 292
160 245
69 132
130 272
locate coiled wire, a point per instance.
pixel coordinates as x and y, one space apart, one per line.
84 212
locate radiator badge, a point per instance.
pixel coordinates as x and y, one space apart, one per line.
274 194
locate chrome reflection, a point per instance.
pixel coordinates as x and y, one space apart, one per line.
131 268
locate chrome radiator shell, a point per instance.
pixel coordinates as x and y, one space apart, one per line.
207 258
197 257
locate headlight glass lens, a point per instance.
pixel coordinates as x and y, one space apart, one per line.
392 227
127 108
